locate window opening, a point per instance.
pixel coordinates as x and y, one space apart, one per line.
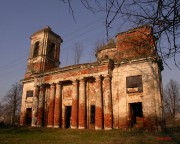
29 93
134 84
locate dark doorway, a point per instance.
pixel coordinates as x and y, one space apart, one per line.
136 114
28 116
68 116
92 120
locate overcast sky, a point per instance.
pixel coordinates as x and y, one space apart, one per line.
21 18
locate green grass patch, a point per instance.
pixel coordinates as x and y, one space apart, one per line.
29 135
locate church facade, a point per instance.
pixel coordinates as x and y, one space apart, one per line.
121 89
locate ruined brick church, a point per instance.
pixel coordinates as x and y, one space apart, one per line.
121 89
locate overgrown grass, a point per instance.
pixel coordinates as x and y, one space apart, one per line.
29 135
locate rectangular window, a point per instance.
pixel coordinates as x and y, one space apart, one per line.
134 84
92 114
29 93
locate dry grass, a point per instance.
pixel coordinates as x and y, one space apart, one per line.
28 135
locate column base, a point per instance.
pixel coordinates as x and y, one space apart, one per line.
56 126
73 127
107 128
98 128
80 127
49 126
33 125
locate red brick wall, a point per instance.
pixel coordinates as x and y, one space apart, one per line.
137 43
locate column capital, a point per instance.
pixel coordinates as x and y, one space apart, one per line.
36 86
98 77
74 81
106 76
52 84
60 83
42 86
57 84
82 80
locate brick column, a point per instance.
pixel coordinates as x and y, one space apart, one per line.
74 105
51 106
107 103
57 106
35 106
81 104
40 107
98 108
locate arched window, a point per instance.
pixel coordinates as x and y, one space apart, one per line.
36 49
51 51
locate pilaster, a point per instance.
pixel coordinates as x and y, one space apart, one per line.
98 104
51 106
57 106
35 106
107 103
40 106
74 110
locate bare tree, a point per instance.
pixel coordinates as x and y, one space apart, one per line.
162 15
11 104
1 112
77 53
172 98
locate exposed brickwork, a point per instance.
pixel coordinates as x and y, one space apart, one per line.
135 44
63 122
81 116
99 108
57 106
82 104
124 123
57 113
40 107
149 124
107 121
74 111
74 114
99 118
42 61
107 103
94 95
39 117
35 106
51 106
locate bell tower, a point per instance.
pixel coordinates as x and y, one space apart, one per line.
44 52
